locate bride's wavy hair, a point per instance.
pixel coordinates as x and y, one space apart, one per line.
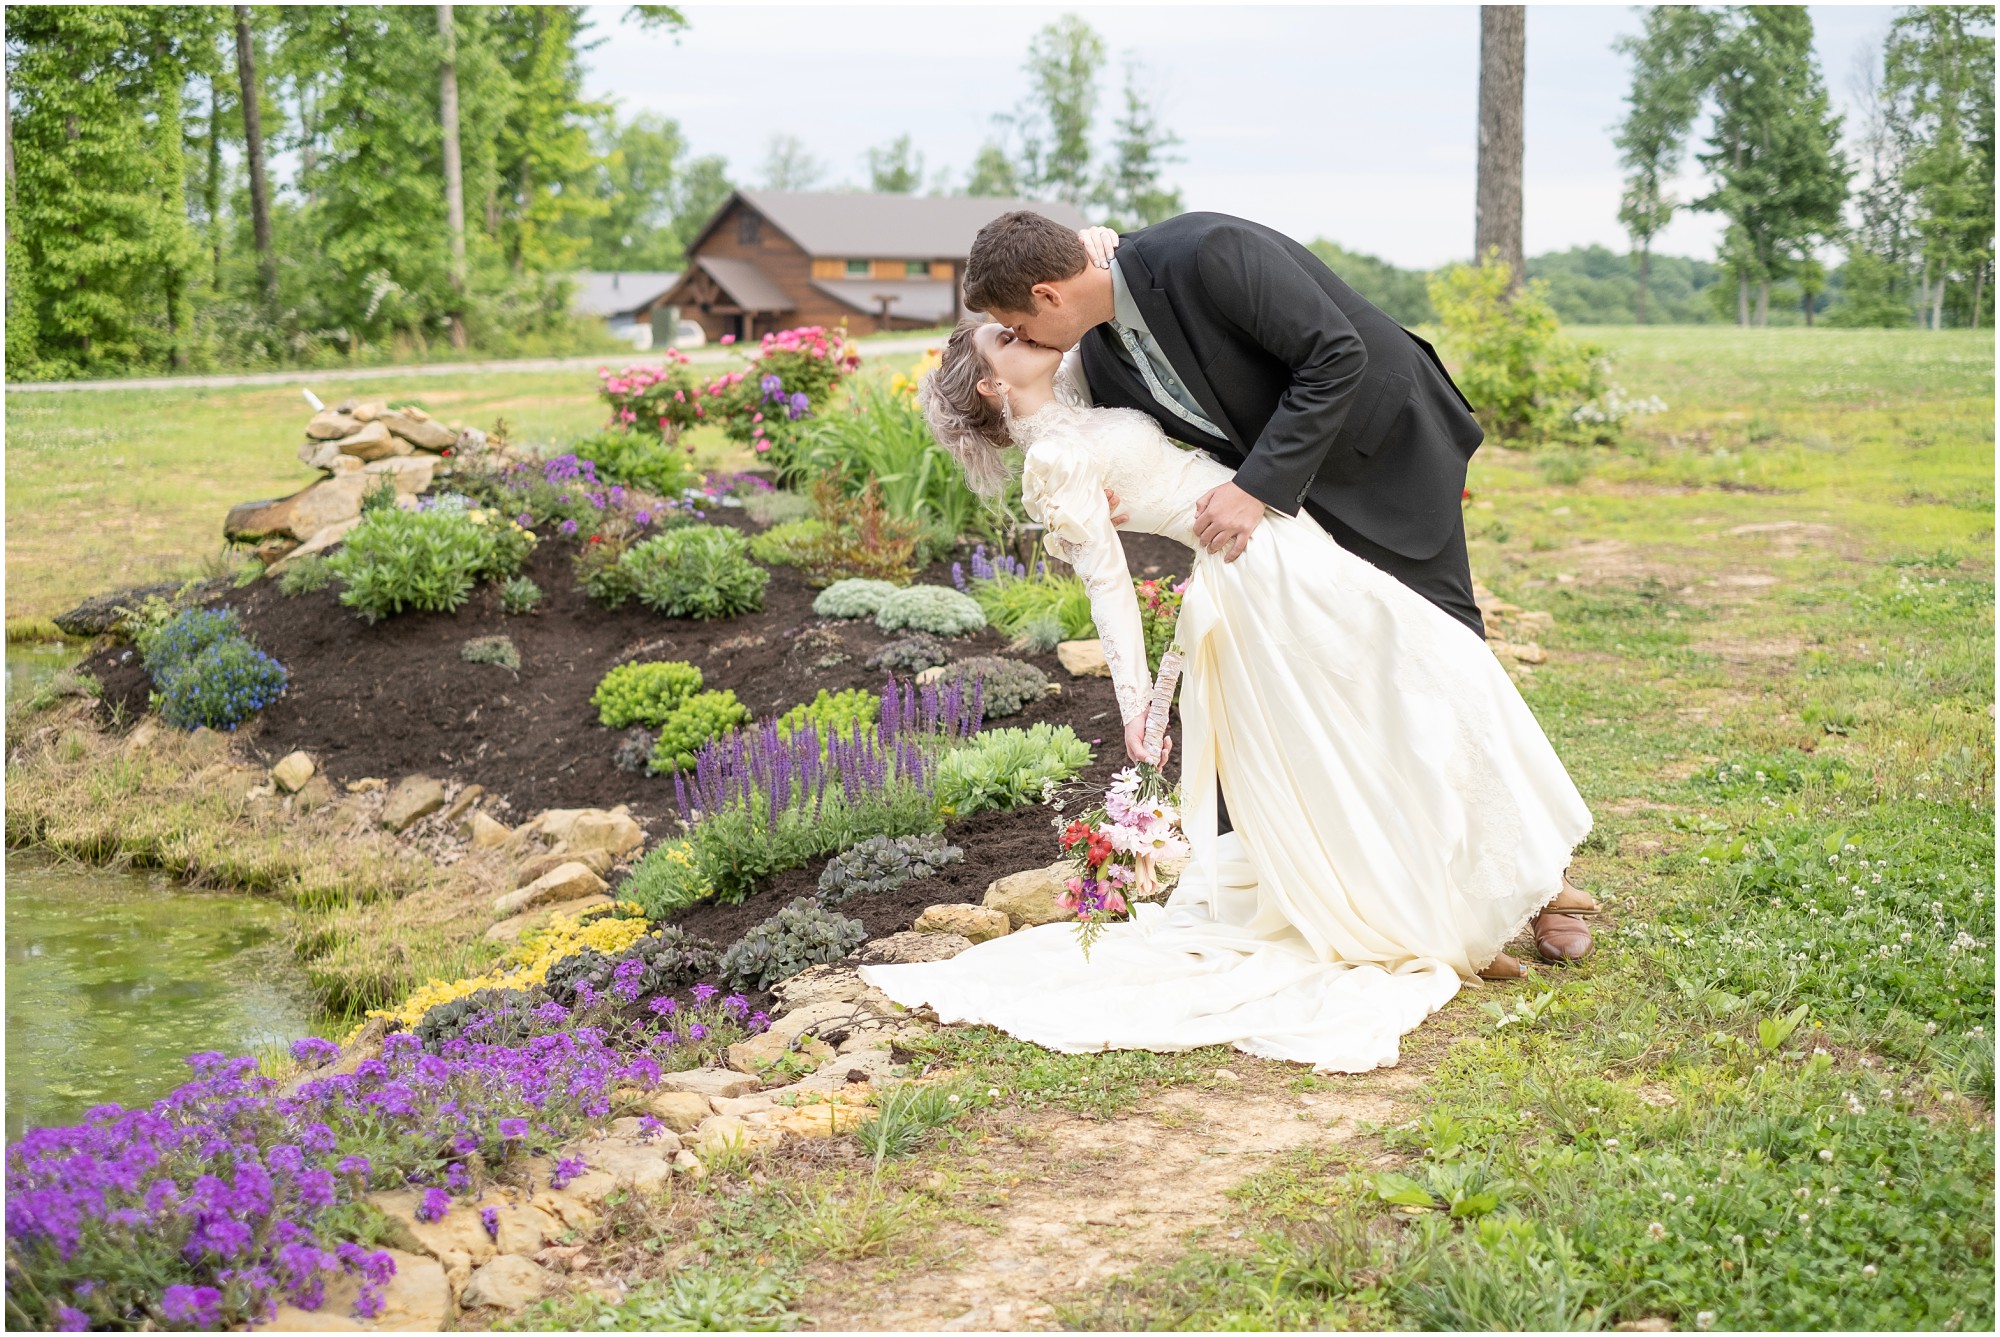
966 423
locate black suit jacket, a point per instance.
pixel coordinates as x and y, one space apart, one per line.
1326 402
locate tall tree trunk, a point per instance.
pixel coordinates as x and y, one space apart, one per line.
1937 304
253 147
1743 298
454 171
212 188
1503 46
1807 303
1645 279
1763 303
1978 292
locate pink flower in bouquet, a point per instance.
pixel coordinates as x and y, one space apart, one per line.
1114 903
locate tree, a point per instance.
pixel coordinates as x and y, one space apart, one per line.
993 173
1938 73
1780 177
1878 274
252 101
702 188
789 165
454 169
1669 76
895 168
1054 121
1132 192
542 148
1503 46
638 171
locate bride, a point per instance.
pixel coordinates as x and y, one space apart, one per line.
1399 815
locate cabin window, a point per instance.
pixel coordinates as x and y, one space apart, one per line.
749 228
858 269
916 269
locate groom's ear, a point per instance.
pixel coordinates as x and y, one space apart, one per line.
1048 295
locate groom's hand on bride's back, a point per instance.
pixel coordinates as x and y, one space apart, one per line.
1224 519
1118 517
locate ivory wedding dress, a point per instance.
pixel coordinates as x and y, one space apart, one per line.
1399 815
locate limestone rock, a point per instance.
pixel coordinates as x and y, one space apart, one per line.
1521 652
909 946
101 612
540 865
457 1271
976 923
372 442
417 431
410 474
523 1227
511 930
566 882
319 542
681 1111
417 1299
331 425
712 1082
143 736
414 798
292 771
830 1119
555 824
613 832
367 410
757 1102
1028 898
1084 659
761 1051
484 832
725 1132
508 1282
249 521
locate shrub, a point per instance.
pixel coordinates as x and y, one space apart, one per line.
931 608
644 693
777 507
880 864
303 575
861 538
637 459
832 715
800 935
910 655
700 718
698 572
658 402
427 561
167 646
852 598
1003 768
1524 378
496 650
1007 686
222 686
788 544
520 595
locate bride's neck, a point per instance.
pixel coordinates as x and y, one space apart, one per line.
1028 400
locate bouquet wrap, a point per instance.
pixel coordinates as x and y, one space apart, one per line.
1162 700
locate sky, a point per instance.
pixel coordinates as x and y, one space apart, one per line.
1354 123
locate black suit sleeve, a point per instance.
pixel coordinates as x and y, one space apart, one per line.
1260 289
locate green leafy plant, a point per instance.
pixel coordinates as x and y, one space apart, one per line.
910 655
496 650
777 507
882 437
788 544
698 572
852 597
520 595
832 714
802 934
221 686
883 863
933 608
906 1115
860 538
696 720
1524 378
638 459
303 575
646 694
1007 686
1004 768
424 561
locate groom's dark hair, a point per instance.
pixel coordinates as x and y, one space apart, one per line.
1012 254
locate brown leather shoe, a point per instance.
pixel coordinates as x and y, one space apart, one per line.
1561 938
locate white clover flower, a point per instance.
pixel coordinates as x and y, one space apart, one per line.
1657 1231
1826 1154
1868 1271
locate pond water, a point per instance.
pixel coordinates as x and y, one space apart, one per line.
30 665
113 978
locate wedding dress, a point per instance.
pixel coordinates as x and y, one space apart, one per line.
1399 815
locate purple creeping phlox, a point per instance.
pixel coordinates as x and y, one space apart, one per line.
764 772
217 1194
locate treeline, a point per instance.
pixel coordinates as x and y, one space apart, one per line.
1919 236
1587 285
193 186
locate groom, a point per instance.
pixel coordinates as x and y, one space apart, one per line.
1242 342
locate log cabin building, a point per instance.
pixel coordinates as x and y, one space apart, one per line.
771 260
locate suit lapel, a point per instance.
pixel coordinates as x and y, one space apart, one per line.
1166 329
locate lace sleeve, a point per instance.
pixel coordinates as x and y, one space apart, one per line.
1072 387
1063 490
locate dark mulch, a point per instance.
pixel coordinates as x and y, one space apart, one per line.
395 698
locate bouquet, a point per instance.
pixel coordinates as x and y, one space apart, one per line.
1114 849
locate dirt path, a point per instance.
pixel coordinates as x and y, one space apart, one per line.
1085 1200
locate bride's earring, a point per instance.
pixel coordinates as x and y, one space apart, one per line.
1006 410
